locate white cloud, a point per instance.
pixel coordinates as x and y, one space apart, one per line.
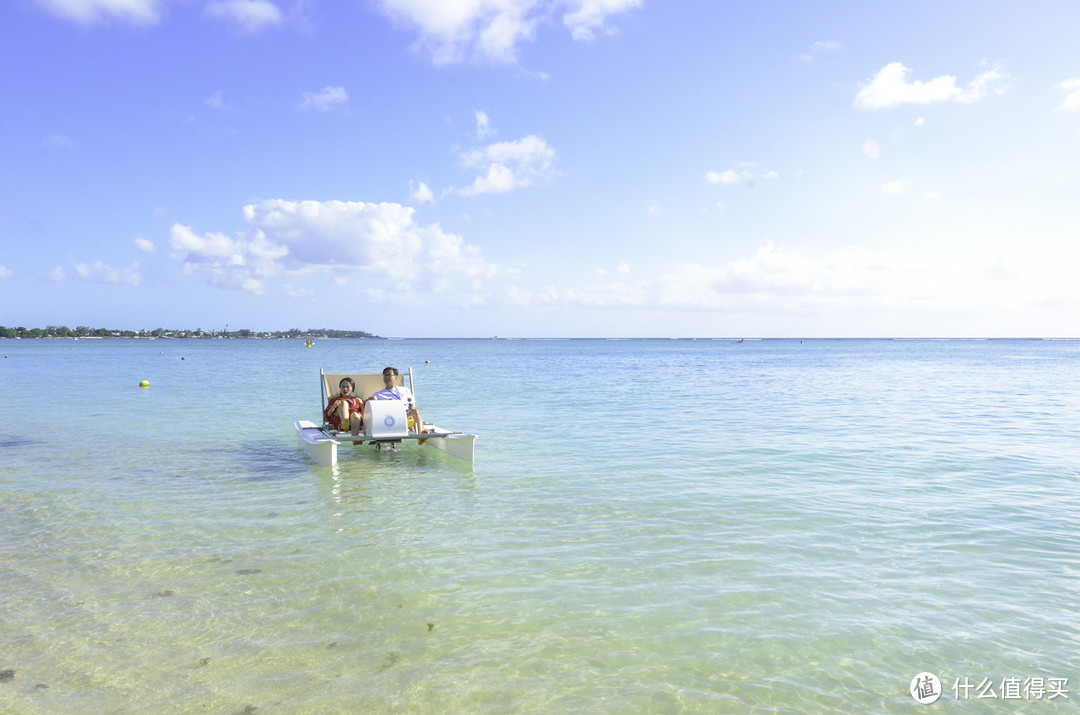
492 30
622 269
379 243
483 124
6 272
727 177
420 193
224 261
739 175
210 246
890 87
903 187
58 141
324 100
853 279
819 47
57 275
145 245
872 149
989 82
297 293
250 15
98 272
1072 100
216 100
139 12
456 30
508 165
897 187
587 17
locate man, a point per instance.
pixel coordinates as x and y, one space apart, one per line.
394 391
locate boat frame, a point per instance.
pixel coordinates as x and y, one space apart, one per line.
321 441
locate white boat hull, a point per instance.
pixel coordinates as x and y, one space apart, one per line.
456 445
322 446
319 446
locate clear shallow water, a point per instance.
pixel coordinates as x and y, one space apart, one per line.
773 526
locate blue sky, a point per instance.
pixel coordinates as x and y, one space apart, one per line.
542 167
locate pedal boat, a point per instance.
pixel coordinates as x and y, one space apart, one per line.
385 424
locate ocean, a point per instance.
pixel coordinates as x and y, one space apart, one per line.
649 526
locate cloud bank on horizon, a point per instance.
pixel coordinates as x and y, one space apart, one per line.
554 163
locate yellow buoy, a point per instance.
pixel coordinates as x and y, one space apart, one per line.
144 383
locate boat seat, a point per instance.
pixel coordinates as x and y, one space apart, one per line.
366 384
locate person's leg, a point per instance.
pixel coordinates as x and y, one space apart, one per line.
341 409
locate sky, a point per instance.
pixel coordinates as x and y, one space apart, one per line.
542 168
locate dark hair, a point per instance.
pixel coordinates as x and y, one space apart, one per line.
348 380
390 371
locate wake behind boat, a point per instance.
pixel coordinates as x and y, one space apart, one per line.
386 424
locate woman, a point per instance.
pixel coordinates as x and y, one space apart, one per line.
343 411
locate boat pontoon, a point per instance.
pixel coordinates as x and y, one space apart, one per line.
385 423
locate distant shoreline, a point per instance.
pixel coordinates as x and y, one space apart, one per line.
92 333
327 334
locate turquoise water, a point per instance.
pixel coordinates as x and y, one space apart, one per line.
649 527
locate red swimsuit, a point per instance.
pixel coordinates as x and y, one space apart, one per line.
356 408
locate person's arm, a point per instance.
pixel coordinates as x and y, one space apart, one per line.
330 407
414 411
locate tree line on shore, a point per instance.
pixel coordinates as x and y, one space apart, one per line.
82 331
